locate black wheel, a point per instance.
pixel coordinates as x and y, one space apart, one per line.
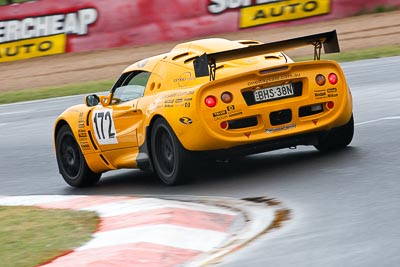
337 138
170 159
71 162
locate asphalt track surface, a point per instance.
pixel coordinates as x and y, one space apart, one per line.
344 206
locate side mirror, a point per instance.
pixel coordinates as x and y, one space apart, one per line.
92 100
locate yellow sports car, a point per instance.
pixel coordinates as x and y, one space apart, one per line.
212 98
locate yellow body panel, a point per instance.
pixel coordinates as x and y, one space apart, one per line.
116 135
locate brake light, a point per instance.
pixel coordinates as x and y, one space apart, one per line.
210 101
330 105
224 125
320 79
226 97
333 79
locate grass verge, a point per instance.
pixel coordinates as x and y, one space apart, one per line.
31 236
99 86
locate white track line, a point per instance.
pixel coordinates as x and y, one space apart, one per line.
16 112
378 120
143 204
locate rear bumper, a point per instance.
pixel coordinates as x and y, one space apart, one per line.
265 146
311 108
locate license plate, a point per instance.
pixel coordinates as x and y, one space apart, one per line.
275 92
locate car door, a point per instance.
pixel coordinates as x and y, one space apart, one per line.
115 126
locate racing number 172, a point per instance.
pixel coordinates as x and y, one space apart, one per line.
100 119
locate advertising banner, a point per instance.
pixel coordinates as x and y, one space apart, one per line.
282 11
32 28
33 47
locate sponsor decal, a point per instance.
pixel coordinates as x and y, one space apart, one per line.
185 93
85 146
230 111
282 11
172 101
184 79
185 120
81 121
230 108
281 128
42 35
261 12
219 113
235 114
172 95
274 79
82 135
221 118
318 94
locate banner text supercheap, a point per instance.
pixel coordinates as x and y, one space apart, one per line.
261 12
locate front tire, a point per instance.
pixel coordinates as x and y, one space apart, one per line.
337 138
170 159
71 162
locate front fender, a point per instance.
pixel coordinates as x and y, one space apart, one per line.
77 118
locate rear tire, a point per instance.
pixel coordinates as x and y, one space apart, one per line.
170 159
71 162
337 138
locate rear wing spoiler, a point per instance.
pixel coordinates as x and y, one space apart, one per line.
205 65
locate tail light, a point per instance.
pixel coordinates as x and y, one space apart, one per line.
210 101
226 97
320 79
332 78
330 105
224 125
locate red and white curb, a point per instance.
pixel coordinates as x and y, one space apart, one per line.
148 231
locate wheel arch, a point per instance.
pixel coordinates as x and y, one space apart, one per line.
150 126
57 128
149 129
170 169
82 175
144 159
